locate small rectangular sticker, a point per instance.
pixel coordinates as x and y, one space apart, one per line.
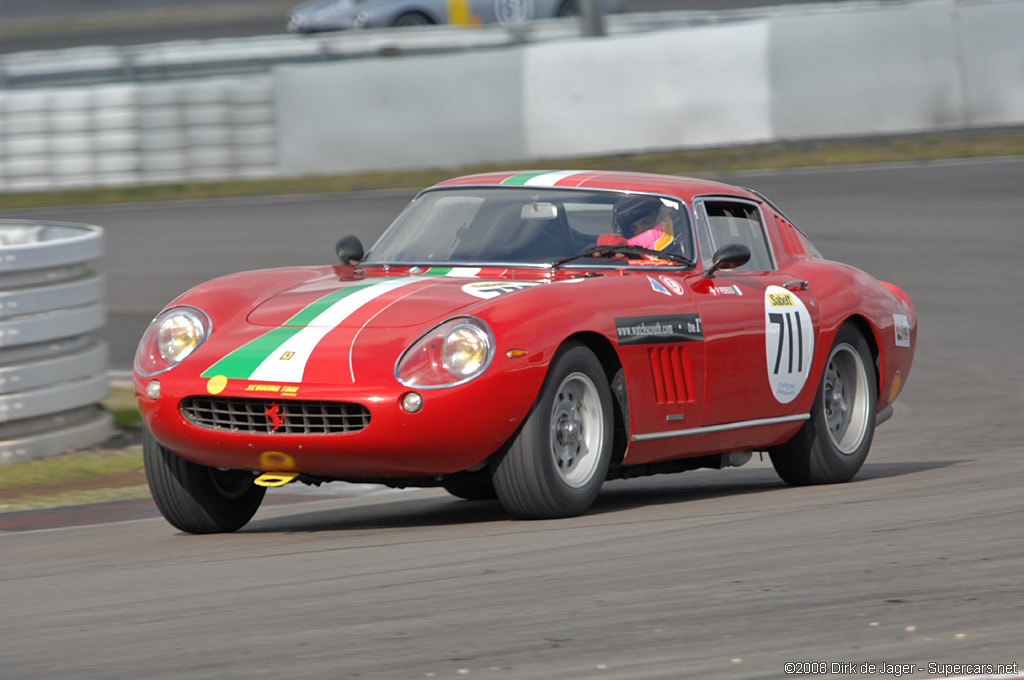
902 326
653 330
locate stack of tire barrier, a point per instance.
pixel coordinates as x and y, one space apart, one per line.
52 371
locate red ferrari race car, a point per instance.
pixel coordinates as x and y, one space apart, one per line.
525 336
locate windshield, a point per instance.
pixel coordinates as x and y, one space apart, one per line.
529 226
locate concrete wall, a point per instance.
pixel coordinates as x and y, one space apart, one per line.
862 69
396 113
785 73
991 44
887 70
686 87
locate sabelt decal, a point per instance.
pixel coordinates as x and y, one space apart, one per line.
902 325
788 343
653 330
491 289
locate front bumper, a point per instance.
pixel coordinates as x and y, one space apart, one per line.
457 428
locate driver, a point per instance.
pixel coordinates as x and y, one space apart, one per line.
643 221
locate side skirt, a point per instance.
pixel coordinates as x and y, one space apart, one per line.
724 427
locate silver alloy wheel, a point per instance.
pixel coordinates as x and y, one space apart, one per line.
845 398
576 430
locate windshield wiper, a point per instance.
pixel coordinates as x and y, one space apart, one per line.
623 249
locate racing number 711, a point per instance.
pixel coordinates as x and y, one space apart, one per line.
786 321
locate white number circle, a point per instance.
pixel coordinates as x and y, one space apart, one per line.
788 343
513 11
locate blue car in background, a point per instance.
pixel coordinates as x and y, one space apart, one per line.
337 15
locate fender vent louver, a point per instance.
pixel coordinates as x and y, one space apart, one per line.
673 376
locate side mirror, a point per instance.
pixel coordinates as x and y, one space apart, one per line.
729 256
349 249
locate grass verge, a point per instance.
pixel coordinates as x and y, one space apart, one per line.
111 471
904 148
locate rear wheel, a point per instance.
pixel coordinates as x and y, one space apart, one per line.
832 445
568 9
559 459
196 498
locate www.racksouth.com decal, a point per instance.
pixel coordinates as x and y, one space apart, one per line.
653 330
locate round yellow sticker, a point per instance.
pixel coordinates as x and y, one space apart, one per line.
216 384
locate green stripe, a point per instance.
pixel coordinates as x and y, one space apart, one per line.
318 307
243 361
438 271
522 179
240 363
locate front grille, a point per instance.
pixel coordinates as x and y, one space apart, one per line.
259 416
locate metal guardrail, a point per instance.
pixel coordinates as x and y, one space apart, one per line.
85 66
52 371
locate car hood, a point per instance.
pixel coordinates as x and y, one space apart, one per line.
386 301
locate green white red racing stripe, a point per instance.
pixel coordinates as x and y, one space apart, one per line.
549 178
280 355
452 271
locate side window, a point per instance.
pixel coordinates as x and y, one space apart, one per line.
726 222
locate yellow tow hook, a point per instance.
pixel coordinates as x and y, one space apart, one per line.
275 478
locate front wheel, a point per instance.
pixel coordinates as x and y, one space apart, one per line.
832 445
196 498
558 461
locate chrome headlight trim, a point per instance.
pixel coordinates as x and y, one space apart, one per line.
440 335
200 322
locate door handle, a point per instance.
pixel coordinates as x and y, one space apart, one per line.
795 284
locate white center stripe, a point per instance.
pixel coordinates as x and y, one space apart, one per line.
464 271
287 363
549 179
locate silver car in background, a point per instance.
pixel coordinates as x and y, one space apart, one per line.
336 15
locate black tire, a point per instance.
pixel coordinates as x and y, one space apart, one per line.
196 498
569 8
471 488
558 461
832 445
413 19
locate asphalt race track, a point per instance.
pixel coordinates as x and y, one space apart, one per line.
724 574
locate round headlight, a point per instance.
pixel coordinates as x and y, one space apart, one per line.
173 335
465 350
458 350
179 334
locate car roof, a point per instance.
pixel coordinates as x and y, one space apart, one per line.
684 188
